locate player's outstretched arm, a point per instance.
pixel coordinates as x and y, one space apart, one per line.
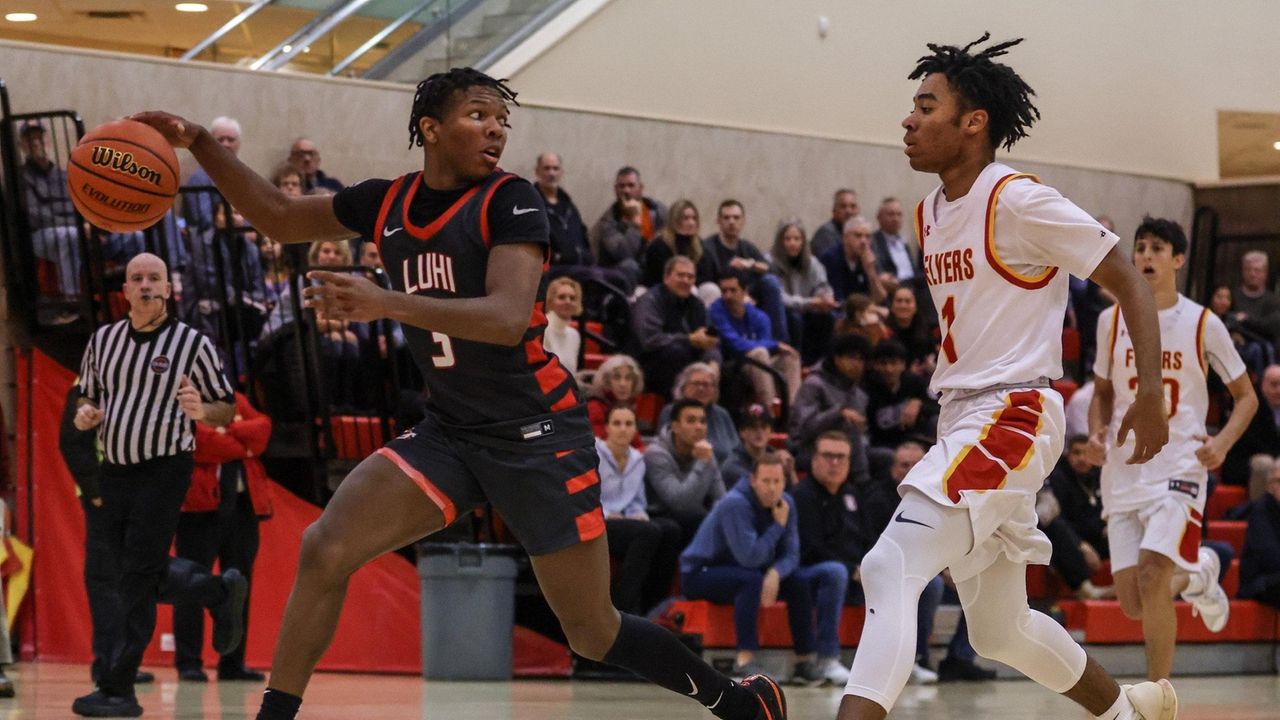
1147 417
285 219
500 316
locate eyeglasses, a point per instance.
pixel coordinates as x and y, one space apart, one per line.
834 457
699 383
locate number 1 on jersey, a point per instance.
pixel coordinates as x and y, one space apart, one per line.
949 317
445 359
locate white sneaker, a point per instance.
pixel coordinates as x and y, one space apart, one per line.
1152 700
921 675
1211 604
833 671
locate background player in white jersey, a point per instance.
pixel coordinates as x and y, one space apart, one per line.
1155 510
997 247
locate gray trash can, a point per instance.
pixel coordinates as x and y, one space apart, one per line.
468 610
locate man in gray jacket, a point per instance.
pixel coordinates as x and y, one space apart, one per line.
627 226
832 399
681 474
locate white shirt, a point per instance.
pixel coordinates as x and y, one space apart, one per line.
562 339
897 248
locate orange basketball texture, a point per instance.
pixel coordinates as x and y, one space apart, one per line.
123 176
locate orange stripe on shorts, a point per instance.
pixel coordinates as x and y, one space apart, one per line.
582 482
437 497
590 525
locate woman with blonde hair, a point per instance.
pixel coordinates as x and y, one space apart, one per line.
618 381
678 237
563 303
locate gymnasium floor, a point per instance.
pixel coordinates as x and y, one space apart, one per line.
45 692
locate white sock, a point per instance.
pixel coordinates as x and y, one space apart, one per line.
1121 709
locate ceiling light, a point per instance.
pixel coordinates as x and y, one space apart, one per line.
1276 145
287 48
306 49
20 17
192 7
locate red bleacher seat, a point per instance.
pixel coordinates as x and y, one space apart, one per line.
355 437
1231 581
1104 622
1231 531
592 360
1070 344
715 624
1224 498
593 327
648 407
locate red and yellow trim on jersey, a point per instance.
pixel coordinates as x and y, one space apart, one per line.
1028 282
1189 543
1115 333
1204 320
1005 445
920 225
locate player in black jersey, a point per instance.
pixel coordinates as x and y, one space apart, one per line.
465 245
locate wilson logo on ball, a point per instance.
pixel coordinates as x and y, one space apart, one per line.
123 162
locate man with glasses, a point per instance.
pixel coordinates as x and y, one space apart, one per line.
304 156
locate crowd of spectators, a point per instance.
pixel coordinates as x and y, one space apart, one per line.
792 383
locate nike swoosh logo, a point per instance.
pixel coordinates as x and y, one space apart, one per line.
719 697
692 685
522 211
388 232
901 519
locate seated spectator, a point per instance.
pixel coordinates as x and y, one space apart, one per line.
197 207
832 398
630 223
851 265
1069 509
1260 561
897 259
1257 308
678 237
862 317
729 252
832 525
564 303
670 327
755 429
1263 433
747 552
681 474
844 206
1253 347
646 548
225 296
339 344
899 406
229 496
616 382
570 251
805 291
910 327
304 156
701 382
745 333
1077 410
383 340
51 218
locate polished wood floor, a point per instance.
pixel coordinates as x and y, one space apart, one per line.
45 692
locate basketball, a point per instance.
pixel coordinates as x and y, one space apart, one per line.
123 176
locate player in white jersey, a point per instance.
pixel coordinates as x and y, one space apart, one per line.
1155 510
997 247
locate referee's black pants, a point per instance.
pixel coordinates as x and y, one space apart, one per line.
140 508
229 535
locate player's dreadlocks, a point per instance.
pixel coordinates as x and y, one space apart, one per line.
434 93
984 84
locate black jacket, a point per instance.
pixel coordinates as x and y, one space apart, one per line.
832 527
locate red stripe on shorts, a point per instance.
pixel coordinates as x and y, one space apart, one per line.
1189 545
437 497
582 482
551 375
972 471
590 525
569 400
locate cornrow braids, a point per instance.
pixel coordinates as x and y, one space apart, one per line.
986 85
434 93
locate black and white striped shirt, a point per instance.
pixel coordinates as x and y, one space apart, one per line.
133 377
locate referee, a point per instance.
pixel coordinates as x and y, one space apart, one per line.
144 381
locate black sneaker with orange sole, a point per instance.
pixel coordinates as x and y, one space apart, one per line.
773 703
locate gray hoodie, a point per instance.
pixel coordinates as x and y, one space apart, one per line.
679 485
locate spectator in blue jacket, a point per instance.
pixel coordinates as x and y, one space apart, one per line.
747 552
1260 561
645 548
746 332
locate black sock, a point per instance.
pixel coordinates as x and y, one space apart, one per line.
656 655
279 705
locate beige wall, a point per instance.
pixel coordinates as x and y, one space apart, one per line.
1129 85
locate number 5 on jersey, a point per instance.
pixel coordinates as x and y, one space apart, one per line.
949 317
444 359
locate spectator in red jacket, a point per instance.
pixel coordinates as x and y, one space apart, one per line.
617 381
230 494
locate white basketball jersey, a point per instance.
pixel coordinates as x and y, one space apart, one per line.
994 260
1192 339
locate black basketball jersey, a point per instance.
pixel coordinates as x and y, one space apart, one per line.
474 386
